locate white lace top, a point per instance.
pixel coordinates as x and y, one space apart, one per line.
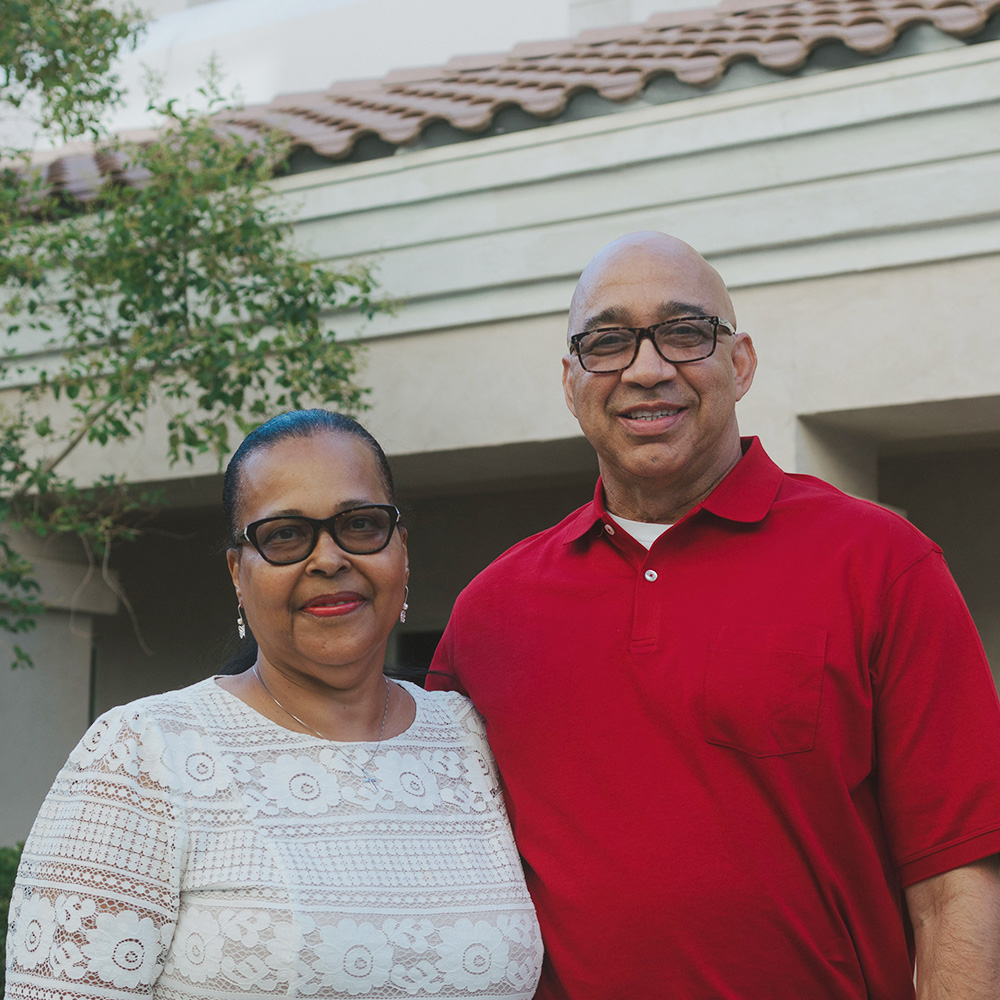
190 847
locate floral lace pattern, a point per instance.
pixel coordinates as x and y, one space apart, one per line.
192 848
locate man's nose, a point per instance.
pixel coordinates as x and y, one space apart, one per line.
649 368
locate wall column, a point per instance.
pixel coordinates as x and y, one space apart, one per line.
848 461
45 709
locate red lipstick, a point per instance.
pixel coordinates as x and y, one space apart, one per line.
333 605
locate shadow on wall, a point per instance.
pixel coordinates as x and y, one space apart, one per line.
176 579
179 586
953 497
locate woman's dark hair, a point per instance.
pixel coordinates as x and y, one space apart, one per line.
294 424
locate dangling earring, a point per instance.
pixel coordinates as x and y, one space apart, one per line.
406 594
240 624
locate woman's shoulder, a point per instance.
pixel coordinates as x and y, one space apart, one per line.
450 703
191 699
193 708
446 711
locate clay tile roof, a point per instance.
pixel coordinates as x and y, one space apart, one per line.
540 78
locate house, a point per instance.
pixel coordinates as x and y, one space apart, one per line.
837 160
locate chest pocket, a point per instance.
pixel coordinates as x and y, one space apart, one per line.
762 688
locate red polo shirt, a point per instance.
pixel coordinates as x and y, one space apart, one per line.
725 756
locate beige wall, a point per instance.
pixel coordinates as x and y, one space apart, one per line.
844 210
849 362
44 710
472 387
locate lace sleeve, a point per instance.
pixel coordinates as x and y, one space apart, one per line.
96 897
474 728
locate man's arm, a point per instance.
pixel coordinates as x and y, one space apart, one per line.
956 924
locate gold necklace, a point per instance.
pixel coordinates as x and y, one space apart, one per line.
368 779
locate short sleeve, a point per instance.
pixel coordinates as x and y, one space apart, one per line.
937 727
97 890
443 673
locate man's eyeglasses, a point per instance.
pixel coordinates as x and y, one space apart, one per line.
290 538
678 342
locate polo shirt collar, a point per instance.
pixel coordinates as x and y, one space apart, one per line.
578 524
747 492
745 495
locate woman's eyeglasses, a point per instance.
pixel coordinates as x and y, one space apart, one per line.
290 538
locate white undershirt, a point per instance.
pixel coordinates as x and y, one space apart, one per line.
644 532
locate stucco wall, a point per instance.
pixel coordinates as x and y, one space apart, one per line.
844 210
44 710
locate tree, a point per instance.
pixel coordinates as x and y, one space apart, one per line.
179 291
56 59
55 71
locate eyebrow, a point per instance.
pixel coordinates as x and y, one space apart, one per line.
623 315
339 509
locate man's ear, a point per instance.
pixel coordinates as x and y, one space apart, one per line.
567 381
744 363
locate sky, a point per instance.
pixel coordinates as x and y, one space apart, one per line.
267 48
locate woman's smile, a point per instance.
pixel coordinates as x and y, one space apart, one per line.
333 605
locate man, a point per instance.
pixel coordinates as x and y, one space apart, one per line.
747 732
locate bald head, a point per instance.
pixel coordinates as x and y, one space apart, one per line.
665 432
639 263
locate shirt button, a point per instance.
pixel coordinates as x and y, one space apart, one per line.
650 575
609 529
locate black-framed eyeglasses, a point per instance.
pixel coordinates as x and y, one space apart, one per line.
290 538
678 341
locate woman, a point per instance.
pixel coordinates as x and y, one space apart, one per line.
304 827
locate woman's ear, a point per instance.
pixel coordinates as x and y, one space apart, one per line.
406 555
233 562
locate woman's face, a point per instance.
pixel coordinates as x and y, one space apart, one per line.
325 620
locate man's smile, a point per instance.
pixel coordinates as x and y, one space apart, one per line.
651 418
652 414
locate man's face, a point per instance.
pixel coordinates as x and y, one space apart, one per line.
657 427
